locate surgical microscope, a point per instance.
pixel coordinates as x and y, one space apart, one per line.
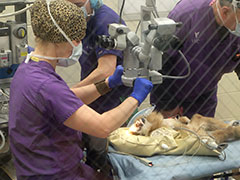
13 49
144 58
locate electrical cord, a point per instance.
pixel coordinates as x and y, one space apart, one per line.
154 15
222 155
2 103
155 9
138 26
5 94
17 12
121 11
180 77
175 162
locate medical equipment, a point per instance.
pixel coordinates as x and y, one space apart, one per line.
146 15
5 154
144 59
13 49
13 39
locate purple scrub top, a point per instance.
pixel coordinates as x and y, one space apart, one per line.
211 51
98 25
44 148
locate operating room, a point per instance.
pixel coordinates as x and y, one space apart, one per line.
204 37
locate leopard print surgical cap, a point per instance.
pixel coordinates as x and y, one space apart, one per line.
68 16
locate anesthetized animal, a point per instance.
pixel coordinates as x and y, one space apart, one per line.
217 130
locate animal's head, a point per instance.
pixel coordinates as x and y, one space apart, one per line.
143 125
140 127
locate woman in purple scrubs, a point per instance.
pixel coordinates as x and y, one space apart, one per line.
46 117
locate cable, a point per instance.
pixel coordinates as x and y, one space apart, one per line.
3 140
5 94
121 11
2 93
138 26
16 13
174 161
155 8
154 15
180 77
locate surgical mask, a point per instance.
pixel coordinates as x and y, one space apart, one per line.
62 61
84 9
235 32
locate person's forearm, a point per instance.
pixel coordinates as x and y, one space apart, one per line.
87 93
95 76
89 121
114 118
91 92
106 67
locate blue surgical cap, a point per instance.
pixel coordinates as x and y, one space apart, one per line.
95 4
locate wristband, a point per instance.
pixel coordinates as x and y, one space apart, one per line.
102 87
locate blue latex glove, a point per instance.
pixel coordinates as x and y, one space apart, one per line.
30 49
141 89
116 78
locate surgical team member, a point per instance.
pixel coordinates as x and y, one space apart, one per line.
210 41
46 117
98 63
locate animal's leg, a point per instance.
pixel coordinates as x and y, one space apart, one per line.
228 134
236 132
209 124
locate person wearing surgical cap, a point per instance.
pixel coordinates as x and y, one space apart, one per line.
98 63
209 39
46 117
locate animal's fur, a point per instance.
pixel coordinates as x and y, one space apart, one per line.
203 126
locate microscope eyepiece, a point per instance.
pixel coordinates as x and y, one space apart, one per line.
105 42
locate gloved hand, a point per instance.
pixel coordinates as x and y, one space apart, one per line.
116 78
141 89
